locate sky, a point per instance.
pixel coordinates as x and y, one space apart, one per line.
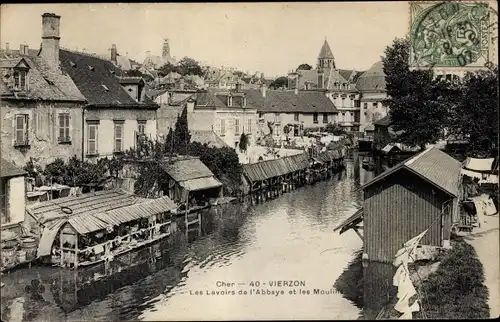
271 38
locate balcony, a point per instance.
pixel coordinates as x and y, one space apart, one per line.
64 140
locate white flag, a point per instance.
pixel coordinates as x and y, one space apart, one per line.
406 288
408 315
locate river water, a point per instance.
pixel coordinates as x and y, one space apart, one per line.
289 238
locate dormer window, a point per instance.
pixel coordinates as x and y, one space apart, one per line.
105 88
20 79
72 64
91 68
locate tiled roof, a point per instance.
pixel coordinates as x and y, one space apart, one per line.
8 169
385 121
264 170
219 99
288 101
330 77
187 169
97 80
13 53
346 73
207 137
44 81
325 52
434 166
373 79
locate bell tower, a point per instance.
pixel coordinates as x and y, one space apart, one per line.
325 57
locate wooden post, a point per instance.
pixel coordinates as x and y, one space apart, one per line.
76 251
61 246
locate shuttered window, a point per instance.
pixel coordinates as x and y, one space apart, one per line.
222 127
249 126
236 127
118 137
92 138
64 127
21 129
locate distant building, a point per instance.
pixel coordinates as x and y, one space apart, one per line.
227 113
348 89
155 62
41 108
298 109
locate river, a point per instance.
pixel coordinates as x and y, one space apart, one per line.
289 238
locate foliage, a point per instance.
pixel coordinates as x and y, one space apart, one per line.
418 103
138 73
244 142
189 66
304 67
287 129
166 69
280 82
76 172
33 169
475 116
334 129
223 162
456 289
178 140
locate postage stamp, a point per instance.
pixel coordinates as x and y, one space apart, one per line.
451 35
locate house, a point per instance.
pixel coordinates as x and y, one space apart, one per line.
348 89
420 193
371 85
226 112
383 132
41 108
298 110
116 109
12 196
191 182
221 78
152 62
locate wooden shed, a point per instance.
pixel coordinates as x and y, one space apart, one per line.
417 194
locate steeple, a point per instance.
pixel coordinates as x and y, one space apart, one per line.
325 57
166 51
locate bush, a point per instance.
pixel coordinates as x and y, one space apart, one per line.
456 289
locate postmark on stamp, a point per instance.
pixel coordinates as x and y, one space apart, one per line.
450 35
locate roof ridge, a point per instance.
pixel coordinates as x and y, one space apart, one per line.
416 157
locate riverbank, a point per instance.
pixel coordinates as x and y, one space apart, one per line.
453 289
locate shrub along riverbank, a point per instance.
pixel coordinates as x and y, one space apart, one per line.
455 290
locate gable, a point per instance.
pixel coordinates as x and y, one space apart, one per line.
22 64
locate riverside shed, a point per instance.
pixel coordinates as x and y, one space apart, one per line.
417 194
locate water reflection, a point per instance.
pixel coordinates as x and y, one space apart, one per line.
289 237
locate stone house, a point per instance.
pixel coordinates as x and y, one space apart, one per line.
41 108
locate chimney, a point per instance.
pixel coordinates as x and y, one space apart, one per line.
181 84
263 89
113 53
50 38
6 46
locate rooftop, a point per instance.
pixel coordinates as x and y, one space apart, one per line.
8 169
434 166
288 101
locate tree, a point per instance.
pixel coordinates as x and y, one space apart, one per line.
244 142
189 66
178 141
304 67
418 103
279 82
166 69
475 116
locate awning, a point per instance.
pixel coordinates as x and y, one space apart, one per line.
479 164
350 222
200 184
48 235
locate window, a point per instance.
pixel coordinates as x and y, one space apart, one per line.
236 127
118 137
249 126
92 140
365 105
64 127
20 80
222 127
343 101
277 130
141 127
357 103
374 104
22 129
315 118
325 117
296 117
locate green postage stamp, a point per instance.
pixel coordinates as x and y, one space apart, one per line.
451 34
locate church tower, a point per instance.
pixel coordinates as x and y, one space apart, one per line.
166 51
325 57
